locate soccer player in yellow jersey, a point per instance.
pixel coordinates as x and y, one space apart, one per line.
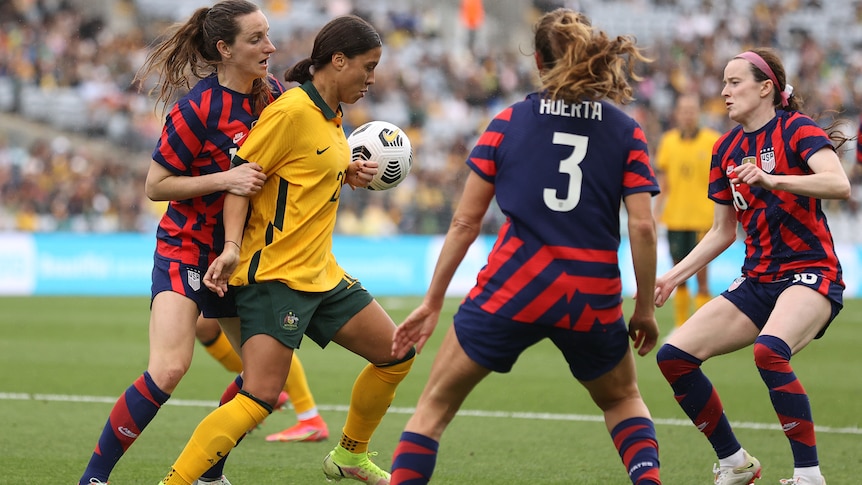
682 165
278 260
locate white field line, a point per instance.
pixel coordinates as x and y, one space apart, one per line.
11 396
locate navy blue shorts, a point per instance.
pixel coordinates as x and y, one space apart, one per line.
496 343
757 299
187 280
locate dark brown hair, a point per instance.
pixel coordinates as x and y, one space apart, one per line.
191 51
794 101
349 34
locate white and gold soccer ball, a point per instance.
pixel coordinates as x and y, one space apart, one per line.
387 145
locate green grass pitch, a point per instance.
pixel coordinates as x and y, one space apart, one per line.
65 360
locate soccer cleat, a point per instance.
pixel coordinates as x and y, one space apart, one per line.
218 481
283 397
313 429
340 464
744 474
802 481
96 481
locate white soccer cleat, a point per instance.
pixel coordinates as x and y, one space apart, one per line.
744 474
218 481
803 481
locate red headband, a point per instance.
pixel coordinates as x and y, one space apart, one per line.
759 63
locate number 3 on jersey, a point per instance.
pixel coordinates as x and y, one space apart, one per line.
571 167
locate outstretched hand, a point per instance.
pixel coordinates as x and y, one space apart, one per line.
663 288
415 330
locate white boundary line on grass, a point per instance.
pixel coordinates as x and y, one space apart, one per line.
19 396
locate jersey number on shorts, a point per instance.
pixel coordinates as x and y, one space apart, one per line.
570 166
806 278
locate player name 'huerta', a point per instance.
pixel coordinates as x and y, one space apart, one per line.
584 109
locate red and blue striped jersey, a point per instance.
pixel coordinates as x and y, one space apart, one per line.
560 171
201 134
785 233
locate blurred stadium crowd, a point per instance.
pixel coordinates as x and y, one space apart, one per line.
76 135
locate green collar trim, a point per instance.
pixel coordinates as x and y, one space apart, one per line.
315 96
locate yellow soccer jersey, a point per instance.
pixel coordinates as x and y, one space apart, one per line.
301 146
685 165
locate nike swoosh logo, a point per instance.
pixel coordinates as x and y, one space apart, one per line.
320 152
789 426
391 137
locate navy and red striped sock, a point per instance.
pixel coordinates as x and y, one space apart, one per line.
696 396
636 442
791 404
414 459
132 413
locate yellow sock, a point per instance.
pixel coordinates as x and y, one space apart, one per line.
223 351
372 394
215 436
297 387
681 305
700 300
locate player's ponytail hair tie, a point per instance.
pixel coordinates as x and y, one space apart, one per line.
786 94
759 63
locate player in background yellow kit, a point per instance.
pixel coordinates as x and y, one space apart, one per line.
682 167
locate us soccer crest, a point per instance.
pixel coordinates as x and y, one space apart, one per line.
193 277
767 159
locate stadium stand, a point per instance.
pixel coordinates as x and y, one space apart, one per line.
66 69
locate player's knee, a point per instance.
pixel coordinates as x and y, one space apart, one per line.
664 354
207 335
398 369
168 375
260 402
673 362
770 351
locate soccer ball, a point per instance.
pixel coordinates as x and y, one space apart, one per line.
386 144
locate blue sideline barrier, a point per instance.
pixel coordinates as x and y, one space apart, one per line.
120 264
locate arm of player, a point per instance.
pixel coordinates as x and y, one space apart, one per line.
643 328
719 237
219 272
162 184
829 180
464 229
